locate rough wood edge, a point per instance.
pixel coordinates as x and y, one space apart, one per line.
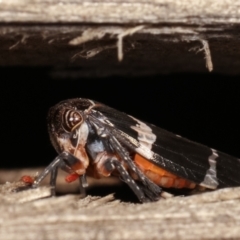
129 11
26 215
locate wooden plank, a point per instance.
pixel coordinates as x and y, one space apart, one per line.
146 37
121 12
212 215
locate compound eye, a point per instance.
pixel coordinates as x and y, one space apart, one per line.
71 120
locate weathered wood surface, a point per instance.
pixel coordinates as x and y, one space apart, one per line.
118 11
24 215
150 37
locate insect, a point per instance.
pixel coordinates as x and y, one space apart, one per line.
96 140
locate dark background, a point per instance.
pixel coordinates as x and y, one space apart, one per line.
201 107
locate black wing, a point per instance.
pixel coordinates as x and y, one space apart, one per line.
178 155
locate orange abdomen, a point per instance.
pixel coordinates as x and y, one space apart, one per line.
160 176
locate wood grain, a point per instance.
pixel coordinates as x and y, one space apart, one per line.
117 11
148 37
30 215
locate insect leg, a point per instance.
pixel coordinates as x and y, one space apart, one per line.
51 168
66 166
83 184
59 162
106 163
53 180
125 177
152 190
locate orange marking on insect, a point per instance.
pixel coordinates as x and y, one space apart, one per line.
27 179
71 177
160 176
78 168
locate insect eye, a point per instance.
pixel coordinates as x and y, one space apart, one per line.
71 120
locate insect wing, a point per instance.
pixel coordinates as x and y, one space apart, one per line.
195 162
180 156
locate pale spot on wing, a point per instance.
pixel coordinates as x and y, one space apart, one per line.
145 135
210 179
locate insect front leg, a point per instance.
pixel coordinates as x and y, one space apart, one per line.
61 161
